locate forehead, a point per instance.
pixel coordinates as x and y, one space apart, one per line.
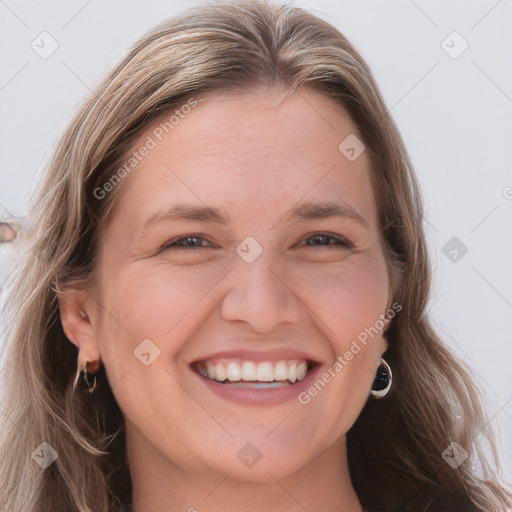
268 146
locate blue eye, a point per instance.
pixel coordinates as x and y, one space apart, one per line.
326 240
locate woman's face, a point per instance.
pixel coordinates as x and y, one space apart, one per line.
244 244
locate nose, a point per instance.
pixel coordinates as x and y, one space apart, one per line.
261 297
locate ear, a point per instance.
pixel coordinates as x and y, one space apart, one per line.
77 312
386 316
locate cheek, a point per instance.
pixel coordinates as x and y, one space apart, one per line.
149 315
348 304
150 300
348 299
162 304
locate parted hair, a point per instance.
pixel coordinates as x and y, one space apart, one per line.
395 446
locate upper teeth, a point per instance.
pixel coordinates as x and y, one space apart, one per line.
235 370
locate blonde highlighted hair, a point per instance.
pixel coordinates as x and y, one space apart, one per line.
395 446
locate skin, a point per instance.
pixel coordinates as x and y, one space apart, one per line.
256 155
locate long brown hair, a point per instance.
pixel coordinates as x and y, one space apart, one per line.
396 444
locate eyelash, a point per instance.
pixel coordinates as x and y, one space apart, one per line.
342 242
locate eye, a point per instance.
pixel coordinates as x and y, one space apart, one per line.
195 241
327 240
187 242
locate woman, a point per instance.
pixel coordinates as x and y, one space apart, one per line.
222 300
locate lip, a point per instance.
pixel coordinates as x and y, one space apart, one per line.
250 396
258 357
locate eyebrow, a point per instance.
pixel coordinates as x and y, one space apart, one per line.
189 212
325 209
304 211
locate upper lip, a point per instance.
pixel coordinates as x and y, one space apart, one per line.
277 354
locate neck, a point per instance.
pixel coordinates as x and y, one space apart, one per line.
323 485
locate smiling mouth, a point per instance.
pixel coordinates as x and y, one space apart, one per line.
262 374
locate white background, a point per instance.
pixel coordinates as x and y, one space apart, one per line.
454 115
